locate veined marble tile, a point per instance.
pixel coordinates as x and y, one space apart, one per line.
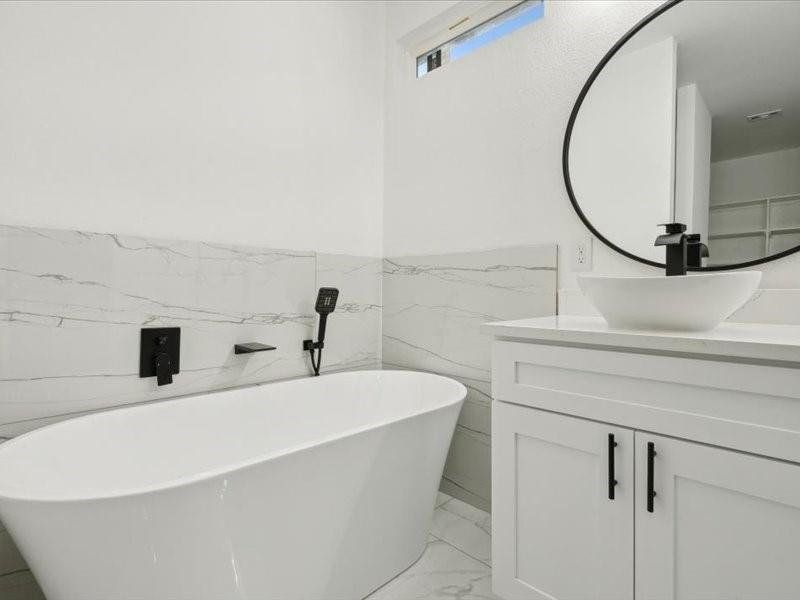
441 572
72 305
465 534
433 307
450 487
776 306
20 585
441 498
476 413
353 332
479 517
469 468
573 302
10 558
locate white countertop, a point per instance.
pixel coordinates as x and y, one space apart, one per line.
748 341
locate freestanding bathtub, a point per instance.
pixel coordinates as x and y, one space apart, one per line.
316 489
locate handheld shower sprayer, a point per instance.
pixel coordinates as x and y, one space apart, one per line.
326 303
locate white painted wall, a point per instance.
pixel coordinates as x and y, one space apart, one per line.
622 148
231 125
754 177
251 122
692 160
473 150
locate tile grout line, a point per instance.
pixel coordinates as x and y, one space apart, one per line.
475 523
19 572
462 551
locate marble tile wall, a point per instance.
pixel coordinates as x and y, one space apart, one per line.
72 304
773 306
433 307
356 325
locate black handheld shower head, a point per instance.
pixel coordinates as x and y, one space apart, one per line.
326 300
326 304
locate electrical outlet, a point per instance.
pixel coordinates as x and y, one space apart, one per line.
582 260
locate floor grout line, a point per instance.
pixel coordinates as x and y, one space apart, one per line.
476 523
467 554
19 571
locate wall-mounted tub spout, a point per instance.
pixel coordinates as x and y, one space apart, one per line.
251 347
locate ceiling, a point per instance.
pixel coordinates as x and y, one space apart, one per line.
744 56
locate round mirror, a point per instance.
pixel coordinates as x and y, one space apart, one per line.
694 117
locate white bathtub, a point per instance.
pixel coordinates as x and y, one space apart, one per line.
321 488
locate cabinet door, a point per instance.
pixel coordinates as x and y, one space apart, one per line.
723 524
556 534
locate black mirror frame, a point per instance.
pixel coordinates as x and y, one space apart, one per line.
568 136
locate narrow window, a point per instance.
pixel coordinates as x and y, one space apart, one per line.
522 14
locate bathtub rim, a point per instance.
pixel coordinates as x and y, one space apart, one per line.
235 467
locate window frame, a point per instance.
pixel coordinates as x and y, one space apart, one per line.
461 22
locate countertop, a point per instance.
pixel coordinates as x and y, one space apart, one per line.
737 341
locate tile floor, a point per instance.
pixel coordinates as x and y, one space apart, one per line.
19 585
457 562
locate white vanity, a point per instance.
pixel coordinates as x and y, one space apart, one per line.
645 465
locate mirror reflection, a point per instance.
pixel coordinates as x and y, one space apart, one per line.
696 119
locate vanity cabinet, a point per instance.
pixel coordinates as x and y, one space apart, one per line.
724 524
631 473
721 524
556 532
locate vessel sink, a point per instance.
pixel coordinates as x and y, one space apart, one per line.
695 302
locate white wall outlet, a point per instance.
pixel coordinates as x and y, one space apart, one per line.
582 259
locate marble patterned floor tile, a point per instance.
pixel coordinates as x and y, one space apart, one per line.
10 558
20 585
479 517
468 536
441 498
455 564
457 491
443 571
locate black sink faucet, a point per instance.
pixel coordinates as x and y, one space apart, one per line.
696 250
676 242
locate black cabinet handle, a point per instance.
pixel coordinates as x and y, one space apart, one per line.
651 493
612 482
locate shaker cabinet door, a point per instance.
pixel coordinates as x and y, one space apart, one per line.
562 529
720 525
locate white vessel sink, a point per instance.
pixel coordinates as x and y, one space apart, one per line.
696 302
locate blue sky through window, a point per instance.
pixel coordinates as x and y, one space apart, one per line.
489 32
